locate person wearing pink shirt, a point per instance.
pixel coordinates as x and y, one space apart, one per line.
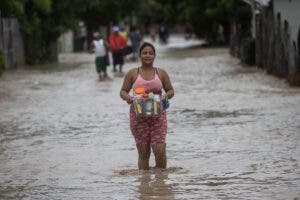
149 132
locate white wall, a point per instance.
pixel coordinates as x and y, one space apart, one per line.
66 42
290 11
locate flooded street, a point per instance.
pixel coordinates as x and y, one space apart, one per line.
233 132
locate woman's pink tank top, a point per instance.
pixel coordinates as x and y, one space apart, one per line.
155 85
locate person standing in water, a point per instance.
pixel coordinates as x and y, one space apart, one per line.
135 38
117 42
149 132
100 47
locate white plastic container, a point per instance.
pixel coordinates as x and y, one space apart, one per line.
147 107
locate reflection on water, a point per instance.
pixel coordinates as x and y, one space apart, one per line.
233 133
155 186
154 183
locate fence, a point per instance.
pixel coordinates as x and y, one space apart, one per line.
11 42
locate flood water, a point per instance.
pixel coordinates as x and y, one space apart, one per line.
233 132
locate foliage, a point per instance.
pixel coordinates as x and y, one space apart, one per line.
204 15
156 12
34 47
225 12
43 21
193 11
96 12
43 6
11 8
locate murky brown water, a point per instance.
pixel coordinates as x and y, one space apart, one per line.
233 133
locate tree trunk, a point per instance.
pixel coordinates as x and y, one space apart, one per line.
52 52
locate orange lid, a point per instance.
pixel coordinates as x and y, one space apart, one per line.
139 90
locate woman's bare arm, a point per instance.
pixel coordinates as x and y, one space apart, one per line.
167 85
126 87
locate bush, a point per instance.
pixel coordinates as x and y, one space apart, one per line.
248 51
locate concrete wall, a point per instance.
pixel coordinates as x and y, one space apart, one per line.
276 30
13 48
286 31
290 11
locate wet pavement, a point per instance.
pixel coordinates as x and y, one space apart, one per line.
233 132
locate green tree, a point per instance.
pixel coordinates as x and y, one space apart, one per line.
227 12
11 8
43 22
95 13
155 11
193 11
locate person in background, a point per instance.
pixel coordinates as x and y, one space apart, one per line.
100 47
188 31
163 34
152 32
149 132
221 37
123 32
135 38
117 43
127 50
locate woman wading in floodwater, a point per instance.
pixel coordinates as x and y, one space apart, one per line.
149 132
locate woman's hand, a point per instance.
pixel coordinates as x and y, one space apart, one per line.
165 101
129 99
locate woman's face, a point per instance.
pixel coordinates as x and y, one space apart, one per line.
147 55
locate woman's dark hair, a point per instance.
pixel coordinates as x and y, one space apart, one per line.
146 44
